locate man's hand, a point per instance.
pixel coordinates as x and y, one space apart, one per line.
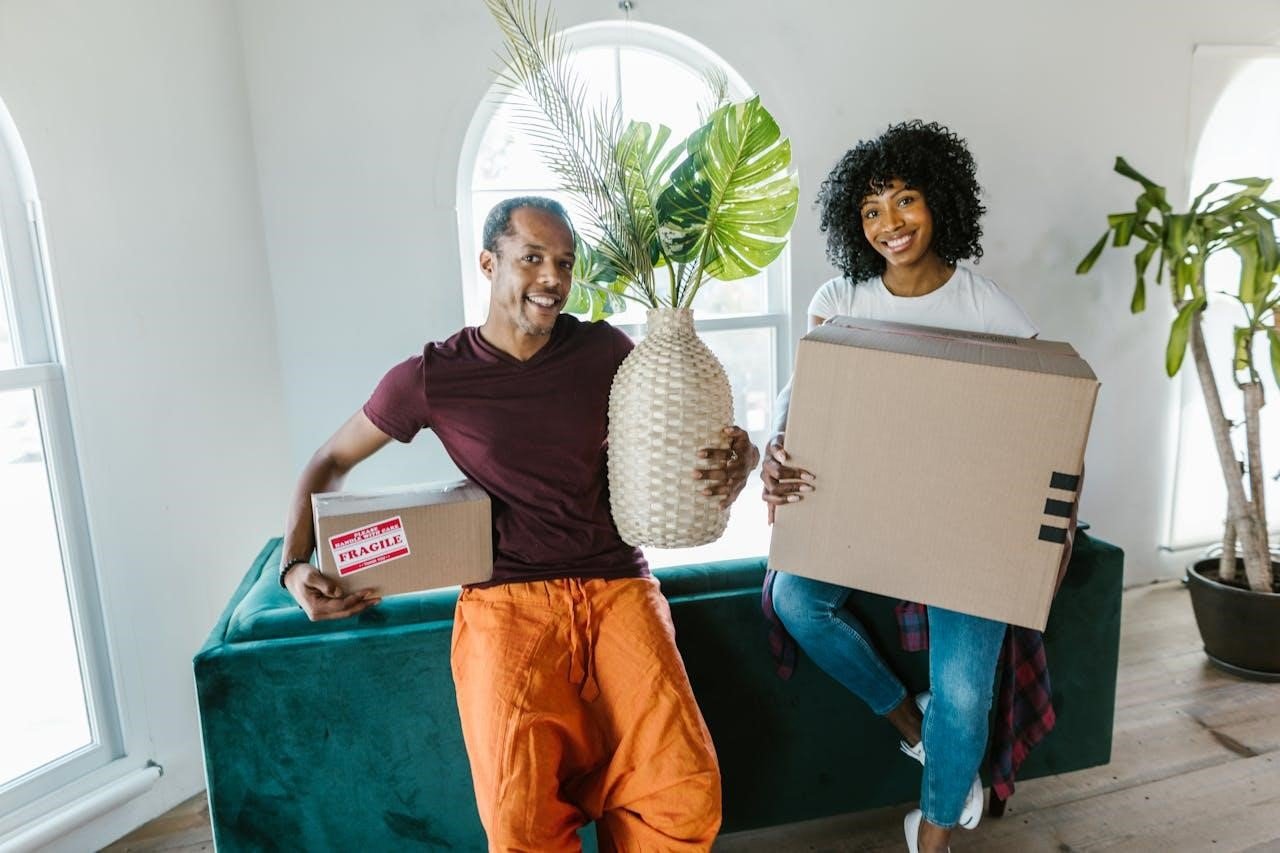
782 483
321 597
727 469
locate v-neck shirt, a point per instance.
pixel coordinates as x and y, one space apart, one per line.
532 434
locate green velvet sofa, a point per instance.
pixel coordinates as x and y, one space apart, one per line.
344 735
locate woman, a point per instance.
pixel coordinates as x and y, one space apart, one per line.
900 212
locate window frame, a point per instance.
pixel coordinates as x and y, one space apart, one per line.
26 287
776 316
1214 69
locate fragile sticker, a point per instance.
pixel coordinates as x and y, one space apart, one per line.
368 546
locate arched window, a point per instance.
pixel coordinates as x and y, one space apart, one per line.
657 74
1241 137
58 717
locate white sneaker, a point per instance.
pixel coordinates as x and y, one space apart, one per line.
911 828
917 751
971 814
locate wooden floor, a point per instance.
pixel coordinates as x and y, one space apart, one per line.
1195 766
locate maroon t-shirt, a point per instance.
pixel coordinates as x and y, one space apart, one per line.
532 434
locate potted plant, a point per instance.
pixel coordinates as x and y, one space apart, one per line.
1239 619
659 217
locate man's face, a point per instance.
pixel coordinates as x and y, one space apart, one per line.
897 223
530 272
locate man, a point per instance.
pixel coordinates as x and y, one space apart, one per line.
574 701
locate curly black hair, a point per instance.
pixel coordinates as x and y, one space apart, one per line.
926 157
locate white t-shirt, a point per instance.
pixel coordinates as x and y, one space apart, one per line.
968 302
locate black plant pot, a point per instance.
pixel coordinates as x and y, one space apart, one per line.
1240 627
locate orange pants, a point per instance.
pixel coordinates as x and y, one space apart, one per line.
576 707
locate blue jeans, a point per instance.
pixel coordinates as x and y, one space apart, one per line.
963 651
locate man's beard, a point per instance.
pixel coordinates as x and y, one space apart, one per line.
531 328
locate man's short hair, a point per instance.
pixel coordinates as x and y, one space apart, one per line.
498 222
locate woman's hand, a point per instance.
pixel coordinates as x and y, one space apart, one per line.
783 484
727 469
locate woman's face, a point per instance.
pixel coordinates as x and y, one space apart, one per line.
897 223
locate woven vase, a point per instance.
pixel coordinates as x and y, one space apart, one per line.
670 399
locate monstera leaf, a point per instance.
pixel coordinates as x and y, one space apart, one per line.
643 167
597 288
730 203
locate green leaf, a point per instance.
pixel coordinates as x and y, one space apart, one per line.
1266 236
1155 196
1138 303
1274 335
1122 224
1257 185
731 202
595 284
1092 258
1122 166
1248 253
1182 272
1243 335
1195 205
579 301
642 166
1141 261
1181 328
1175 238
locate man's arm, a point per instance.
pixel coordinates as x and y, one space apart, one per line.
319 596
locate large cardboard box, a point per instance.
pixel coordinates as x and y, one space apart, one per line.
947 465
406 538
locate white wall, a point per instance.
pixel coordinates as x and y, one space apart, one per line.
135 119
360 108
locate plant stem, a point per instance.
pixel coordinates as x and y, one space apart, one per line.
1227 562
1238 509
1253 403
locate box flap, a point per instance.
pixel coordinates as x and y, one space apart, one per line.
325 504
1003 351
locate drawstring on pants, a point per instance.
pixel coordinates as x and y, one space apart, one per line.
582 669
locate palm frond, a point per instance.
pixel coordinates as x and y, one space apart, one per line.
717 83
577 142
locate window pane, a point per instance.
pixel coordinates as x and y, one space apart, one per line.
659 90
747 356
40 663
1200 497
1238 140
7 346
506 160
726 298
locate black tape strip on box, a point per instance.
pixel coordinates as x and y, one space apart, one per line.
1061 509
1057 535
1066 482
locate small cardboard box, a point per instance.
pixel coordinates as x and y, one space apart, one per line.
946 463
406 538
